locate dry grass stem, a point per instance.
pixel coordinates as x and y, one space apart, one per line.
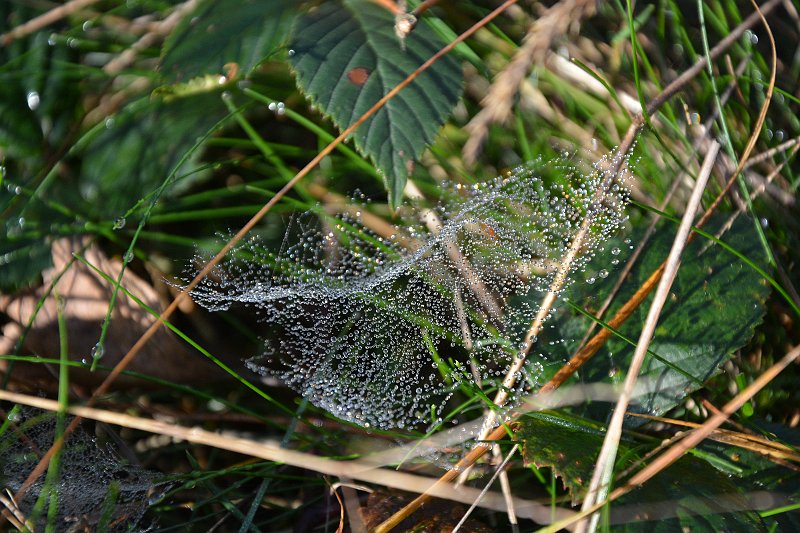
356 469
44 20
755 193
573 73
505 486
598 487
499 101
336 203
119 63
769 154
474 281
500 469
690 440
13 513
746 441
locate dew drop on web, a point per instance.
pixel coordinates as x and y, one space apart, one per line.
382 331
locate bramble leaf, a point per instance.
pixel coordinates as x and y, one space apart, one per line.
219 32
715 304
347 57
690 494
139 146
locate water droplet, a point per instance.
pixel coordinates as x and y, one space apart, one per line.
119 223
128 257
603 273
216 406
87 25
33 100
98 351
615 251
291 52
109 123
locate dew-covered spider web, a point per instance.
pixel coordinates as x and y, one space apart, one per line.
382 330
95 489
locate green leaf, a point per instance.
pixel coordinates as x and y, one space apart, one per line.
22 260
132 154
347 57
218 32
20 134
682 496
714 306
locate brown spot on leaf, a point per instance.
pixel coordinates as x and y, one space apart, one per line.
358 76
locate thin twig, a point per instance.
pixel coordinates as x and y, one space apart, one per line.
500 469
44 20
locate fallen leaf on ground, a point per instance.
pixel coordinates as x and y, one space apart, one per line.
86 296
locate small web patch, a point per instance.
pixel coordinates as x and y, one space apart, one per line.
95 489
382 334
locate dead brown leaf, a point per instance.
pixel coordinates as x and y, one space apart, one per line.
436 516
86 296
